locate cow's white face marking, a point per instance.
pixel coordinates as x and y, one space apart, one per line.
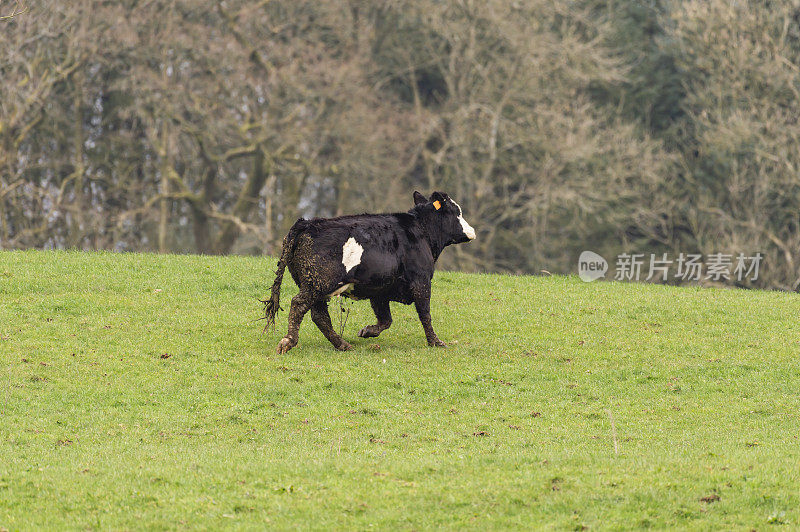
469 232
351 254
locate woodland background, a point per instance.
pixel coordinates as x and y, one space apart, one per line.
209 127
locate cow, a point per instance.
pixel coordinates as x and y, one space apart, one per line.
380 257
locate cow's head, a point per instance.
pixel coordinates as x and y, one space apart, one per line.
447 217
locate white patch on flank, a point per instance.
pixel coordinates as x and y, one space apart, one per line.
469 232
341 290
351 254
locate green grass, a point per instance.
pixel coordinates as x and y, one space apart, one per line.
137 392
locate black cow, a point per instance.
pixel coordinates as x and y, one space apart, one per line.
380 257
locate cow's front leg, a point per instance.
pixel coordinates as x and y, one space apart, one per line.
319 313
300 305
384 315
422 301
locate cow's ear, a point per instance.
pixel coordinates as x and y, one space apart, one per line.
439 196
419 198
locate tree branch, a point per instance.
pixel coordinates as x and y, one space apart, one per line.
19 9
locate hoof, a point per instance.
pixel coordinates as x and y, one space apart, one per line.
284 345
437 343
367 332
345 346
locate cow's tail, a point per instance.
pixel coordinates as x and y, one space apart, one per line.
272 305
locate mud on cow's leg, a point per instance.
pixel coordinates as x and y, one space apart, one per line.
422 301
320 316
381 308
300 305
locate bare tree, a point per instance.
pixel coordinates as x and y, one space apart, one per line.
200 126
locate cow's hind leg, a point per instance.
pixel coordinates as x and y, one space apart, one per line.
319 313
300 305
384 315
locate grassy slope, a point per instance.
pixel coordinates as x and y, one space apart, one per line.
509 426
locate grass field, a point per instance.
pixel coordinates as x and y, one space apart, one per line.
138 392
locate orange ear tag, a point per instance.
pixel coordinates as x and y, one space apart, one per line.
437 205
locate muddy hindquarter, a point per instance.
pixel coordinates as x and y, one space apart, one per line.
315 272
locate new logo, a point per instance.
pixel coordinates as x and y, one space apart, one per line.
591 266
